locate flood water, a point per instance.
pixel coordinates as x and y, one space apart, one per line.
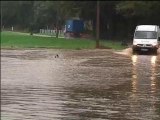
79 85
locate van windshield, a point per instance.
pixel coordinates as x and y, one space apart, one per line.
145 35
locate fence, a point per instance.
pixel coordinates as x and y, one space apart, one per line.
51 32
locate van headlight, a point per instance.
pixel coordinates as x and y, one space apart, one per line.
134 42
155 43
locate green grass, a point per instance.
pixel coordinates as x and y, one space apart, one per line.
24 40
113 44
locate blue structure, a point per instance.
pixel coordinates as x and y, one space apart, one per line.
74 26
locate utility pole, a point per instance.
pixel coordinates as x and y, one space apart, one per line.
57 23
97 26
1 16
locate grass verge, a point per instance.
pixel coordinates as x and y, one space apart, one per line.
25 40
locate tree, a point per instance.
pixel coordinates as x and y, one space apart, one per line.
114 15
139 12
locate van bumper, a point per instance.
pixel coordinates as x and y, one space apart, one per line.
139 47
145 46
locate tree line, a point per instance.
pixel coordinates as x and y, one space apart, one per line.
118 19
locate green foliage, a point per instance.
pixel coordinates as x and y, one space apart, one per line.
16 12
117 18
138 8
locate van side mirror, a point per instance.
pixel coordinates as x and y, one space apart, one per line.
158 38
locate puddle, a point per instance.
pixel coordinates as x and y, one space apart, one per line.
79 85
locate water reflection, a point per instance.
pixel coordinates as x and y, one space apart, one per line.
134 59
153 60
153 73
144 80
134 75
143 66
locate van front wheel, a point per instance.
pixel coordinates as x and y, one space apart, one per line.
134 51
155 51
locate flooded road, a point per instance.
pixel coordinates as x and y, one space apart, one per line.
79 85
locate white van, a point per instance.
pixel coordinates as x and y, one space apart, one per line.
146 37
